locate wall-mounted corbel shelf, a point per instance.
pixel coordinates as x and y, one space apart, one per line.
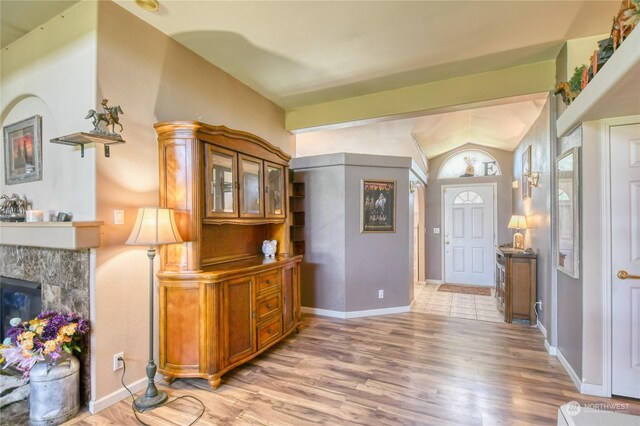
83 138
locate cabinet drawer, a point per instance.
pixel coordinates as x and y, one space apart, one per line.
268 281
268 306
269 332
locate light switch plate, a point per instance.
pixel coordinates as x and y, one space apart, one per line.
118 217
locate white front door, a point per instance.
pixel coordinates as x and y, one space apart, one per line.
625 257
468 235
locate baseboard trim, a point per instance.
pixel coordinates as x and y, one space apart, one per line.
433 281
542 329
119 395
551 349
574 377
591 389
354 314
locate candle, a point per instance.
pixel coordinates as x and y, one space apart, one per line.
35 216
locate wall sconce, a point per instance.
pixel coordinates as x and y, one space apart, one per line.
533 178
515 184
412 186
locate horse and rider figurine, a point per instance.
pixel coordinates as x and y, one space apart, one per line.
109 116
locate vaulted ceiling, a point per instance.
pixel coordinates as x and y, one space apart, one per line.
303 52
299 53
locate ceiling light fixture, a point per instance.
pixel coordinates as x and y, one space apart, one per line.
149 5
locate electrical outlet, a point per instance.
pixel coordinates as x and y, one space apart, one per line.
118 362
380 294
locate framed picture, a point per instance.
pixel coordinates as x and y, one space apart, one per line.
23 151
567 206
526 168
378 206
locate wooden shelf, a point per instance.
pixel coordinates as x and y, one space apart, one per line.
82 138
613 92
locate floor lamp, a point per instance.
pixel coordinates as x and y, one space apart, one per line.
154 226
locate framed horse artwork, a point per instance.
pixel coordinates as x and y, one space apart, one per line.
378 206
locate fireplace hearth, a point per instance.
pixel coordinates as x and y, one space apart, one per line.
62 279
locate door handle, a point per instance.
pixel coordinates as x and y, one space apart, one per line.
446 242
624 275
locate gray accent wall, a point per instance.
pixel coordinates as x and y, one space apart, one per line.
343 269
433 242
538 210
570 303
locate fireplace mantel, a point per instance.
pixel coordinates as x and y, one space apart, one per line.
60 235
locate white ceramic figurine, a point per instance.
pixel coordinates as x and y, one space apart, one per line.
269 248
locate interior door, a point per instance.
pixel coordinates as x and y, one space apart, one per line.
625 262
468 235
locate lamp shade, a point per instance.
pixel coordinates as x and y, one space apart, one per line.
154 226
517 222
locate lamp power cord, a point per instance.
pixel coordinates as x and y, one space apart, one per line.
136 410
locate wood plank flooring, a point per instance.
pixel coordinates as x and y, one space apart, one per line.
404 369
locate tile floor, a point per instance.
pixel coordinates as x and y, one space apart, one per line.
431 301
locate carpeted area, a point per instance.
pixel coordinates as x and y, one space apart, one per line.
465 289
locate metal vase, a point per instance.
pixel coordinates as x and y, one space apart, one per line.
54 391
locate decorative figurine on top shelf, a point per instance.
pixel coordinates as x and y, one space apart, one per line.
109 116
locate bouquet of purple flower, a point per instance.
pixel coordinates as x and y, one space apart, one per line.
45 336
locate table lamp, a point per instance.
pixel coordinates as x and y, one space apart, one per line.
518 222
154 226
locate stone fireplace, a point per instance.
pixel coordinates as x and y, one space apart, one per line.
58 257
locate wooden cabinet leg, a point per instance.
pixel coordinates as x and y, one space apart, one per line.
214 382
169 379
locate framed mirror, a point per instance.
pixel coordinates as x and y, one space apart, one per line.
568 214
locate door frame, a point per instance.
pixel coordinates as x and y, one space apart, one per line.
607 271
443 189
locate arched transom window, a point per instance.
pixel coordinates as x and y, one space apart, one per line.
468 197
469 163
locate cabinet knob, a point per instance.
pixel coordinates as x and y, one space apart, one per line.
270 331
268 281
268 305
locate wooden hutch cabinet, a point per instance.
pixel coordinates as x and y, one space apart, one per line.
221 301
516 284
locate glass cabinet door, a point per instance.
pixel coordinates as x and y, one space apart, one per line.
274 191
251 184
221 179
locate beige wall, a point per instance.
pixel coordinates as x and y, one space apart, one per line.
50 72
154 79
